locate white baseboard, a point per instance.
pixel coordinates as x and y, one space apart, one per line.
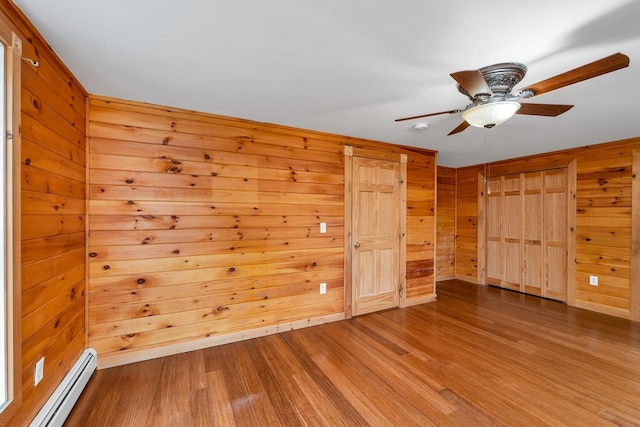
61 402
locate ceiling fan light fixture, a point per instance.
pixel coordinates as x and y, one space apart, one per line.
491 114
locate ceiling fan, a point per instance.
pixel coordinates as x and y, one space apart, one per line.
492 102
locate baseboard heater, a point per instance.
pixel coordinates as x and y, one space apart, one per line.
61 402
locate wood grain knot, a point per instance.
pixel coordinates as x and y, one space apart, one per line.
93 254
106 267
140 281
231 270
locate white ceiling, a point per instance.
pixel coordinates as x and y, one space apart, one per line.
352 66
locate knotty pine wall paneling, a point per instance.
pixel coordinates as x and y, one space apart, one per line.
53 162
204 229
603 222
446 224
466 243
421 215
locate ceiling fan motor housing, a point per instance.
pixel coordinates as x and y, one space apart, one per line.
501 78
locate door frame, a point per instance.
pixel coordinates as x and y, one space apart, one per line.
349 153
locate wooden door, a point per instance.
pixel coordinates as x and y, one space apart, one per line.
376 235
494 258
555 234
511 232
532 265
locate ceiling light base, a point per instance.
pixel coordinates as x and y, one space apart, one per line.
501 78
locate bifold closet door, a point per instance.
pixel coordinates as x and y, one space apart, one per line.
532 265
526 220
511 232
555 234
494 231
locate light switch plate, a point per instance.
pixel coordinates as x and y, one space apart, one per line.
323 227
593 280
38 375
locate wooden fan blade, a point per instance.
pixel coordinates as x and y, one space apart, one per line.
428 115
549 110
473 82
462 126
591 70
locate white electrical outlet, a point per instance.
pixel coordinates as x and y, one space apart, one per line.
593 280
323 227
323 288
39 372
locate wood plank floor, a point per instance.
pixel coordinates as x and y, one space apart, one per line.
479 356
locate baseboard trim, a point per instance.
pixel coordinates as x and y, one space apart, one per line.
59 406
420 300
594 306
469 279
143 354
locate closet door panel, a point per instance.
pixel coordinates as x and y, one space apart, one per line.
532 234
556 280
494 263
494 234
555 235
494 244
532 279
555 224
512 221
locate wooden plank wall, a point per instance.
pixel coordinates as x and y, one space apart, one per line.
467 223
53 218
604 206
420 241
446 224
202 226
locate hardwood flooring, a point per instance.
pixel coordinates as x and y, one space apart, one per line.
479 356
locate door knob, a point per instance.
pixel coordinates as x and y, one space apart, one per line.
356 244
